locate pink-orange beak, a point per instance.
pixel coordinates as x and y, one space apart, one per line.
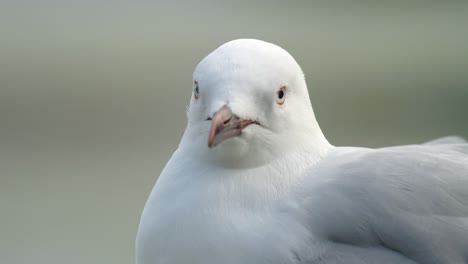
225 125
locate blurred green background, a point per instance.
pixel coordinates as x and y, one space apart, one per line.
93 97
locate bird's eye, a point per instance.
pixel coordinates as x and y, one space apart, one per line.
281 95
196 90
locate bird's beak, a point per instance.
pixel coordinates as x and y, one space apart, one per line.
225 125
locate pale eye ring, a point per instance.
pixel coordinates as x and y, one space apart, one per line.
196 90
281 95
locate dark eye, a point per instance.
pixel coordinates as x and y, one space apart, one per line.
196 91
281 95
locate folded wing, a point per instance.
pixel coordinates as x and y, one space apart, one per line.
411 201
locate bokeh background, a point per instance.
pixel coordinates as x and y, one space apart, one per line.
93 97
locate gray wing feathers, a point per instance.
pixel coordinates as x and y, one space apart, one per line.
410 200
447 140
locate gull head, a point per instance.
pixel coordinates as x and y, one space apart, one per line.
249 105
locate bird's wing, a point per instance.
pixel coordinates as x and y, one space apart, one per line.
447 140
410 200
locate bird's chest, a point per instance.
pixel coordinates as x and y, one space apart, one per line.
203 226
192 239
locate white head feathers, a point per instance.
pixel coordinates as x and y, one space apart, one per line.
259 83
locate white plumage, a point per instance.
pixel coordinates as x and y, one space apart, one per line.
254 180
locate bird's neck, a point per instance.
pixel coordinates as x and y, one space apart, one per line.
261 184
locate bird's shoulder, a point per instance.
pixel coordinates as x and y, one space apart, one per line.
410 199
435 159
432 174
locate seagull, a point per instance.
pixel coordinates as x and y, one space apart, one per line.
254 180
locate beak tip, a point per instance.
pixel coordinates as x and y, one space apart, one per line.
211 144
